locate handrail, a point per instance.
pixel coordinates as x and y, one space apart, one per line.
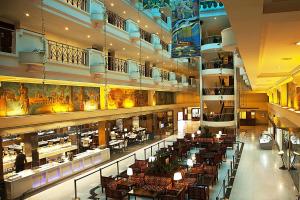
212 39
116 64
231 173
116 20
151 148
66 53
145 35
100 171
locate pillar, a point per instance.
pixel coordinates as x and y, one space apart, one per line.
102 134
2 185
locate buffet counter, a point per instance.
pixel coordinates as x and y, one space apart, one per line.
31 179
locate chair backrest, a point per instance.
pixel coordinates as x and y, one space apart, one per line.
198 192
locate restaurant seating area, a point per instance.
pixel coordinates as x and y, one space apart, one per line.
186 169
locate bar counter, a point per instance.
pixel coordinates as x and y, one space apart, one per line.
32 179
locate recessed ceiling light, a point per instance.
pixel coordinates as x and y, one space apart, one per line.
112 4
27 14
110 44
286 58
157 33
138 54
138 21
298 43
66 28
215 18
88 36
123 48
146 26
124 12
147 57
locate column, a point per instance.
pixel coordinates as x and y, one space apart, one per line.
31 148
102 135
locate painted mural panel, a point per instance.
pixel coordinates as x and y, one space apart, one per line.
186 34
127 98
30 99
148 4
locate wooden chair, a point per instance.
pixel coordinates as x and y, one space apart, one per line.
198 193
105 181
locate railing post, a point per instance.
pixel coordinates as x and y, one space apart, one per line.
224 188
228 176
118 168
233 161
100 175
231 167
134 155
75 186
158 145
145 154
164 143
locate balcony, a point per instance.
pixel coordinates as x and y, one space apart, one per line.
164 45
211 43
218 91
80 4
228 40
116 64
67 54
145 35
217 67
6 40
226 117
116 20
145 71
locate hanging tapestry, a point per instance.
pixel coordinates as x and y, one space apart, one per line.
148 4
186 30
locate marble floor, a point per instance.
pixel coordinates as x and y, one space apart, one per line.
258 176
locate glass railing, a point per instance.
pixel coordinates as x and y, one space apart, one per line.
218 117
80 4
218 91
218 64
6 40
212 39
145 35
66 53
116 20
164 45
116 64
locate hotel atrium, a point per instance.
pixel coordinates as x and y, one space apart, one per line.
150 99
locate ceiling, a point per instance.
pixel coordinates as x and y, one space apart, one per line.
266 33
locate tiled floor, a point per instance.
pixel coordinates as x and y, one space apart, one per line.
258 176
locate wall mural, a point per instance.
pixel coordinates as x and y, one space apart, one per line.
30 99
164 98
127 98
186 34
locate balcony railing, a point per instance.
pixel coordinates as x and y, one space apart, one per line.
116 64
212 39
179 79
66 54
116 20
217 65
165 75
80 4
218 91
6 40
211 5
145 71
145 35
218 117
164 45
